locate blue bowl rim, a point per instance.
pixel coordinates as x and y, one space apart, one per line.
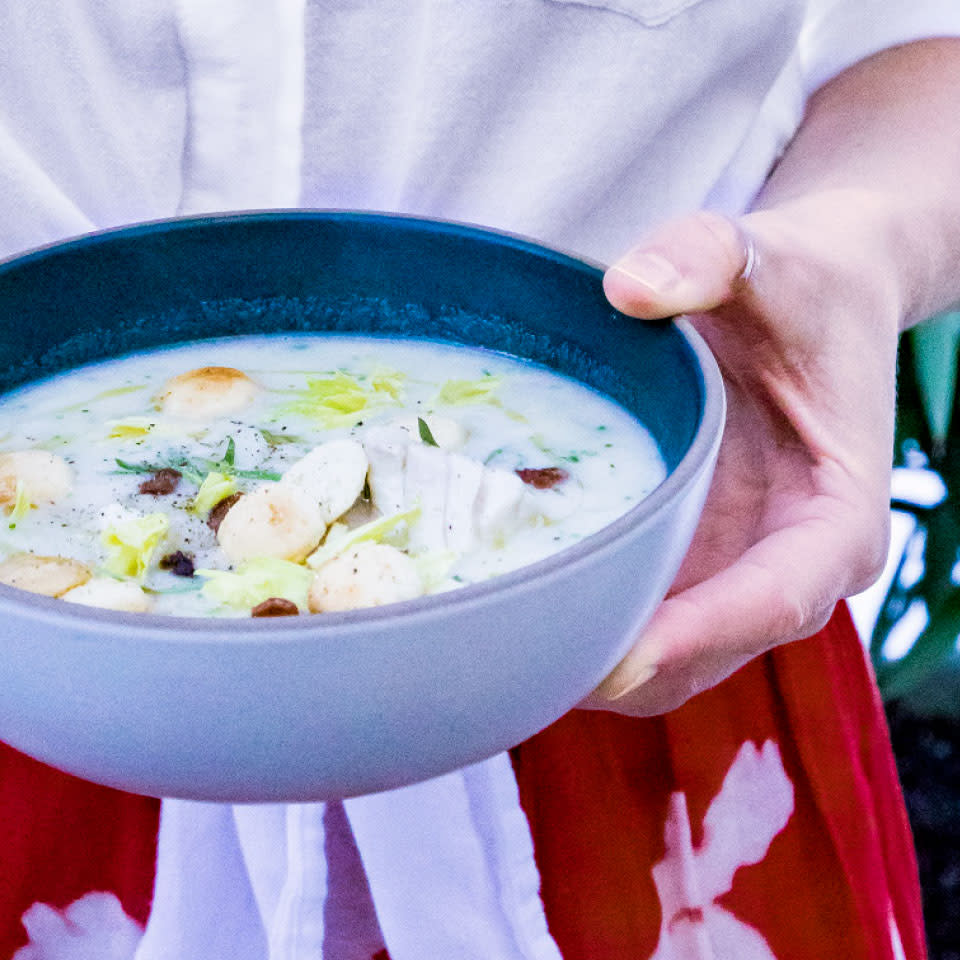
133 626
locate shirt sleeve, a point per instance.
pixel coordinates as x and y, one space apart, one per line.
838 33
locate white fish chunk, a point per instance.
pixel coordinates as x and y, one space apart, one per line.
425 486
464 479
499 504
461 501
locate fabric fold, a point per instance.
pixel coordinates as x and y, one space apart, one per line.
245 80
443 868
203 905
450 867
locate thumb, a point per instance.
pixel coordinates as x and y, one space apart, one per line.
688 265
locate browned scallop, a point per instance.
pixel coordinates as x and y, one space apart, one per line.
207 393
271 521
368 575
44 477
50 576
110 594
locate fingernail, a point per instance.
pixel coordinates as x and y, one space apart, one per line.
653 271
617 686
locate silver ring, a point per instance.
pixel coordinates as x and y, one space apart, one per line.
750 250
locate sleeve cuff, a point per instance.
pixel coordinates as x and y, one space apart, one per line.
840 33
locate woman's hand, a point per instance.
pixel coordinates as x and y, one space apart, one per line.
856 235
797 514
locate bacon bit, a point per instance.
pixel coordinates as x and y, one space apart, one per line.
275 607
164 481
542 478
220 511
179 563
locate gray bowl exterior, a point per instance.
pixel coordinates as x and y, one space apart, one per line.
302 709
251 715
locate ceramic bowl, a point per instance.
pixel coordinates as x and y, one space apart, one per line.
317 707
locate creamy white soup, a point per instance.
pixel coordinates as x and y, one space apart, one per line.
285 475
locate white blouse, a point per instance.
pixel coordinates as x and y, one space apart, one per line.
577 122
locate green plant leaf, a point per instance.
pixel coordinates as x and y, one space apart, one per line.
934 652
935 343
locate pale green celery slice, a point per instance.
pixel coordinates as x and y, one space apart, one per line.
21 505
462 392
256 580
434 568
389 381
131 544
338 400
215 487
104 395
341 538
130 428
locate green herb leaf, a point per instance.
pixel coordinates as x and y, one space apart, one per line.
275 439
195 471
425 435
184 467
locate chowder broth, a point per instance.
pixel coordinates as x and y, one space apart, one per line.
229 477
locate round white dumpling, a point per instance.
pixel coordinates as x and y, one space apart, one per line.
367 575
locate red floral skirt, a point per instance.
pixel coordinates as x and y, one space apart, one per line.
763 819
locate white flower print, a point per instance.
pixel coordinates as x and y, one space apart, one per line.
94 927
752 807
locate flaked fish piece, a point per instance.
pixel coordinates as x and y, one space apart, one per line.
464 479
461 500
425 486
386 450
500 505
